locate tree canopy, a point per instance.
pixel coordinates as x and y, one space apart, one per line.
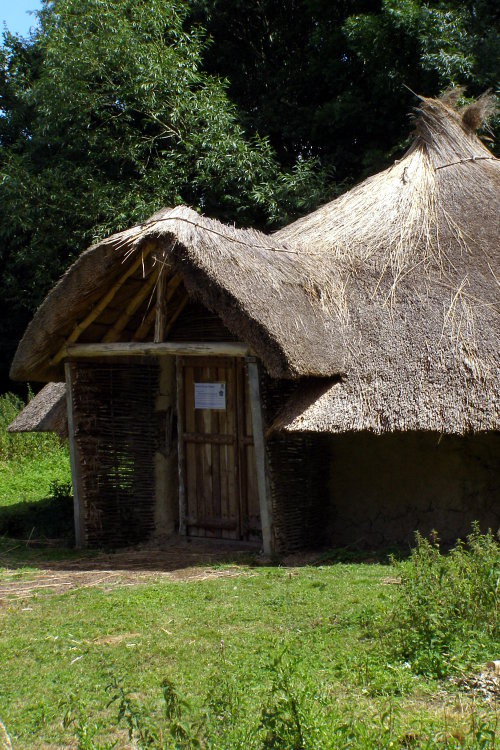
250 112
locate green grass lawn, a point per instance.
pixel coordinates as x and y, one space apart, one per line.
23 479
58 654
269 658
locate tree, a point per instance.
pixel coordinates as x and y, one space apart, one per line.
334 79
108 116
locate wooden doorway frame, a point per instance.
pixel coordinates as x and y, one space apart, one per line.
263 485
183 349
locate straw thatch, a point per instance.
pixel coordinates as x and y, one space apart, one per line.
46 412
393 289
246 277
419 249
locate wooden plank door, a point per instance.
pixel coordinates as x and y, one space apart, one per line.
217 458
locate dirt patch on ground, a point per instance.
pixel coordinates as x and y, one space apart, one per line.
182 562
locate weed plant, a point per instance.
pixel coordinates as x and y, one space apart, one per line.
292 715
444 616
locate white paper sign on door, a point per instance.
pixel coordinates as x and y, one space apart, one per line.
209 395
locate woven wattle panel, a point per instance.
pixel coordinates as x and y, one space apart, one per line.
298 465
117 433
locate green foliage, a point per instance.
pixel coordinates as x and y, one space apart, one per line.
108 116
446 613
329 79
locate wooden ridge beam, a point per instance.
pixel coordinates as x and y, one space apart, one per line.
102 304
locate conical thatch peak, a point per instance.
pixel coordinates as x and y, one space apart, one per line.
450 131
408 206
420 287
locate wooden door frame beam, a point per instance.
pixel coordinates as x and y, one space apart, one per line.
263 485
78 509
181 459
151 349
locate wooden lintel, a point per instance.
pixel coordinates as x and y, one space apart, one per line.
102 304
151 349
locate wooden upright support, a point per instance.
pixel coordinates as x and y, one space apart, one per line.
150 318
161 309
180 446
74 463
265 504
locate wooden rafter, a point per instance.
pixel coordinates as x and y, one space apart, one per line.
180 307
133 305
148 321
102 304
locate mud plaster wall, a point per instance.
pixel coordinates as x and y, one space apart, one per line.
383 488
166 475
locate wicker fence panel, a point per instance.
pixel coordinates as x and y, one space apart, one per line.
298 468
299 482
117 433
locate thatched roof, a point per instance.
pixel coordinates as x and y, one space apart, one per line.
419 301
46 412
393 289
265 293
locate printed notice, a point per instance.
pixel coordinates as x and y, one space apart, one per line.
209 395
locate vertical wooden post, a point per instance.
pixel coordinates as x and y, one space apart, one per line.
161 308
180 445
73 457
266 513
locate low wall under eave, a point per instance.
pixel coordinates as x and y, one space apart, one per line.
384 487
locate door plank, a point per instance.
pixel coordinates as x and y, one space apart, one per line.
220 477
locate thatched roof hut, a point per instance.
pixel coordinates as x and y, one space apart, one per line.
378 313
418 298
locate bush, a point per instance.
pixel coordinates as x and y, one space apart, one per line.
445 612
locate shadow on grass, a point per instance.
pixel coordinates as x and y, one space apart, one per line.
40 521
170 555
41 534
